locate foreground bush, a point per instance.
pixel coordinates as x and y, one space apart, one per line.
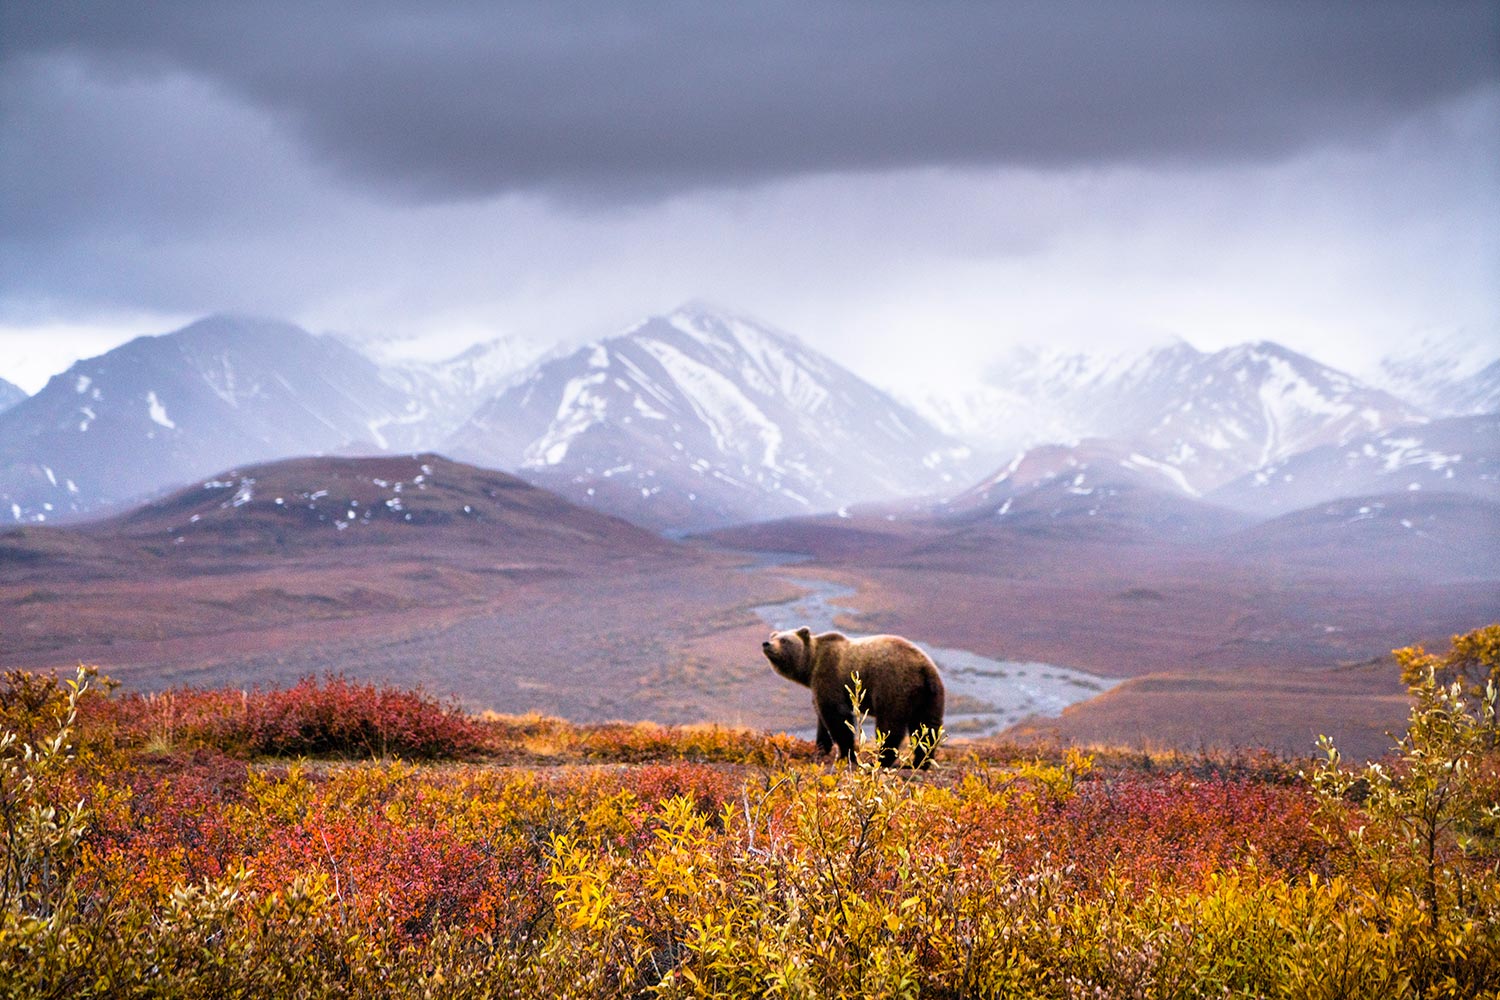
142 871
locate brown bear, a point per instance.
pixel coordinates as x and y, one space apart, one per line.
902 689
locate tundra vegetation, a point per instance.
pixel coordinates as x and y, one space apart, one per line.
342 839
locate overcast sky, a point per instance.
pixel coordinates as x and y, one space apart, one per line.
908 186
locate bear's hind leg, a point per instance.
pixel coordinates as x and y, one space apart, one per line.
892 732
926 723
889 741
923 746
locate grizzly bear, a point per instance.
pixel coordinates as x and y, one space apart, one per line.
902 689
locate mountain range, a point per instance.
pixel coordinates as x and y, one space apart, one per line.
159 411
699 418
1248 528
1210 416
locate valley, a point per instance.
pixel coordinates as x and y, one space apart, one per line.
514 600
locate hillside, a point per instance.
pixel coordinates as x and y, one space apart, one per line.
1454 455
1431 535
421 500
328 511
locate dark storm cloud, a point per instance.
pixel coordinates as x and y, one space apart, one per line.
453 100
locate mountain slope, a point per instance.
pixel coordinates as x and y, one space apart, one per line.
1456 455
1478 393
697 419
162 410
445 394
1097 488
1446 376
10 395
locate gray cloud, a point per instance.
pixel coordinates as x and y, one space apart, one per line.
1323 174
610 100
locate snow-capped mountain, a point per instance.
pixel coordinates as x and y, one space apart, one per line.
447 393
10 394
1030 396
487 368
1212 416
161 410
1215 415
1456 455
1445 376
698 419
992 418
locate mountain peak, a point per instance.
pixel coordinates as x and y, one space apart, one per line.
1445 374
237 324
700 308
696 419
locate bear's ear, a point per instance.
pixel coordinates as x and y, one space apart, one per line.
805 634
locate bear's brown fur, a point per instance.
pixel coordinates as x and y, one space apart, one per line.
902 689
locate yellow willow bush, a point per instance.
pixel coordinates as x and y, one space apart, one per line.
701 915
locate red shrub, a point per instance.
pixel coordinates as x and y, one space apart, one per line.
335 716
163 822
414 878
1175 830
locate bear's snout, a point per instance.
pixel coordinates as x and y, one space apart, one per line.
766 645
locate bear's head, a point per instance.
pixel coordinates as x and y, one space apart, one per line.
791 654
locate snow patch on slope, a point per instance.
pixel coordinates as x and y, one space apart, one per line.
580 408
1139 461
718 402
158 411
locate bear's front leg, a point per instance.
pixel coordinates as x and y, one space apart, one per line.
838 722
